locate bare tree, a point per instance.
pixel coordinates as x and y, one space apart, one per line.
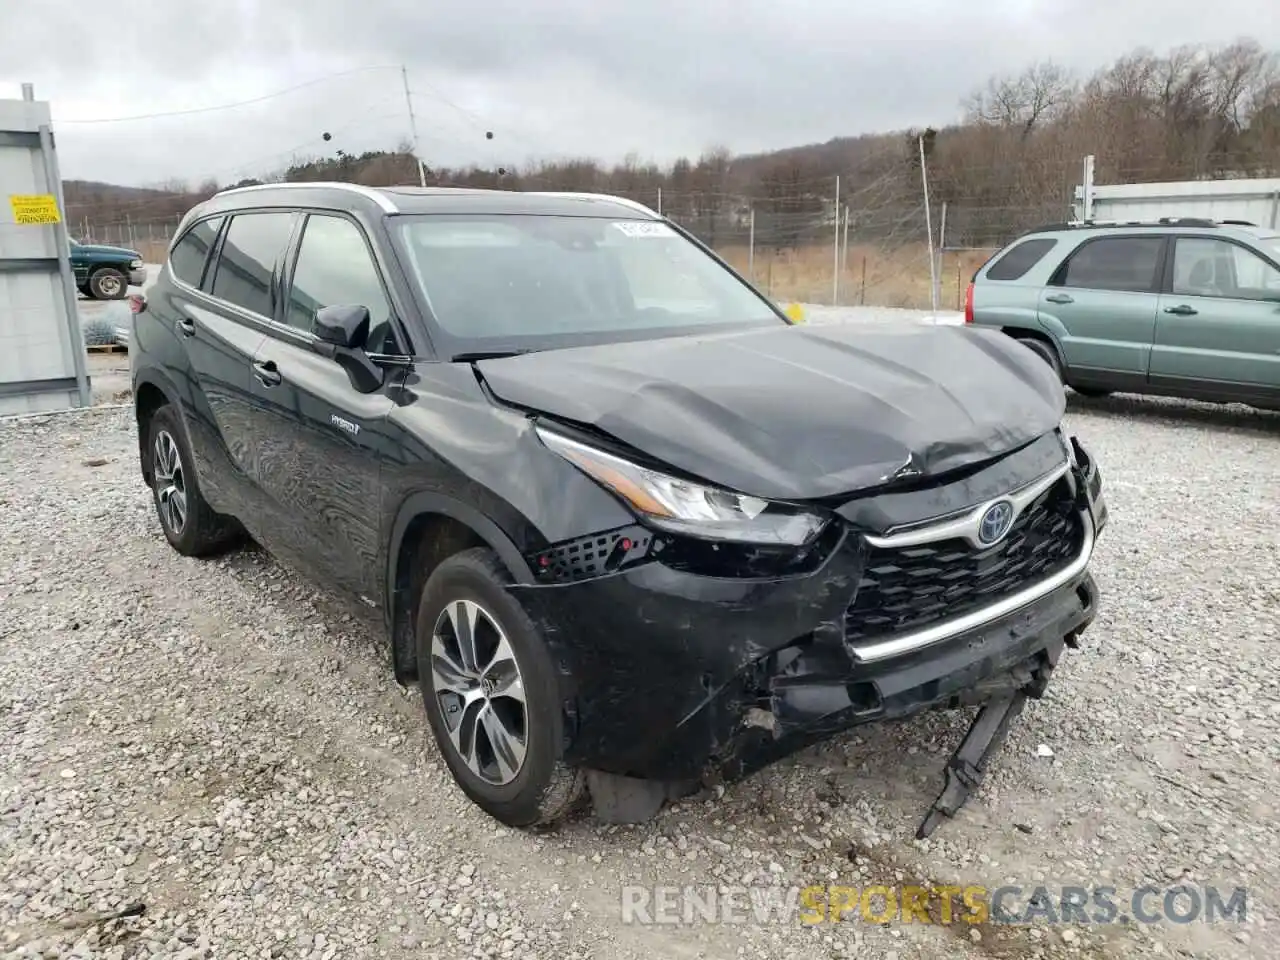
1023 102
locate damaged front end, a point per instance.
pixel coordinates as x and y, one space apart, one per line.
687 661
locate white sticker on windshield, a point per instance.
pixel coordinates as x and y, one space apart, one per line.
644 228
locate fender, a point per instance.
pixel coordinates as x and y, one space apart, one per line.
155 377
488 531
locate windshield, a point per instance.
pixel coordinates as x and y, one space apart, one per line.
531 282
1272 245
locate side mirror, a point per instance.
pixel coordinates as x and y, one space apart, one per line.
342 332
343 326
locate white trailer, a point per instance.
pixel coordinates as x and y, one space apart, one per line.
42 354
1255 201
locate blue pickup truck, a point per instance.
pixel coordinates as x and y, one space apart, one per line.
106 273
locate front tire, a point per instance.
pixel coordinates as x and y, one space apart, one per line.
108 283
490 691
190 525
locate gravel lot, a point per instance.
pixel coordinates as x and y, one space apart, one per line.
212 740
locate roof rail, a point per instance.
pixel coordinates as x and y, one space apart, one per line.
633 204
1161 222
377 196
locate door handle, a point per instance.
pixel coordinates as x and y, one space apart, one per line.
187 327
267 374
1059 298
1182 310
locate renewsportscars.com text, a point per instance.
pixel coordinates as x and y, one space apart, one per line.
879 904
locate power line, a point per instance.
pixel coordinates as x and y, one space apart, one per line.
232 106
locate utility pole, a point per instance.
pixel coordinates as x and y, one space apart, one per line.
928 226
835 260
844 256
942 250
413 127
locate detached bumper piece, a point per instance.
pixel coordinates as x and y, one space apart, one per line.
968 764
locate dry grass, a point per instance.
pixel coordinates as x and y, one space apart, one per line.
869 276
153 251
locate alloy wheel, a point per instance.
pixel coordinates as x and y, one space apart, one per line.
479 692
171 482
109 286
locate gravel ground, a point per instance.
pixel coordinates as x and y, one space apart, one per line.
213 741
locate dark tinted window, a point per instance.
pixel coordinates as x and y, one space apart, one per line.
253 244
1114 263
190 253
1020 259
335 268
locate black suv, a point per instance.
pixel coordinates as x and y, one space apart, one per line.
627 527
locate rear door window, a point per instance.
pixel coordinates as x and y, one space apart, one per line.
1021 258
249 259
1114 263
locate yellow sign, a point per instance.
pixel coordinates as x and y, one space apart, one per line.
795 312
34 208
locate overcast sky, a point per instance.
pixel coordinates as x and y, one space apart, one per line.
570 77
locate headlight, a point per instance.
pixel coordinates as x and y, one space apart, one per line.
685 507
135 264
1068 447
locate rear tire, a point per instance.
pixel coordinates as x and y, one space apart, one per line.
108 283
490 691
1046 353
190 525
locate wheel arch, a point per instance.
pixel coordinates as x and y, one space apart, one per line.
428 528
1025 333
151 391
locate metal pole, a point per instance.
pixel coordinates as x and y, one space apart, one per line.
942 248
62 240
659 201
1086 190
413 128
751 247
928 226
844 255
835 266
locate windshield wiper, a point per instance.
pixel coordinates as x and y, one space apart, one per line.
475 355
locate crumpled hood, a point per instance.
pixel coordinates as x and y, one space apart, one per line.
797 413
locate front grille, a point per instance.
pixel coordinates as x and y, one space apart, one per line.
910 588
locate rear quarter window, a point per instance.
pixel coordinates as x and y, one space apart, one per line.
1021 258
188 257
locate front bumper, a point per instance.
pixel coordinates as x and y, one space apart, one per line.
138 278
674 676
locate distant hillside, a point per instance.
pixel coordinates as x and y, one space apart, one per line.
1191 113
